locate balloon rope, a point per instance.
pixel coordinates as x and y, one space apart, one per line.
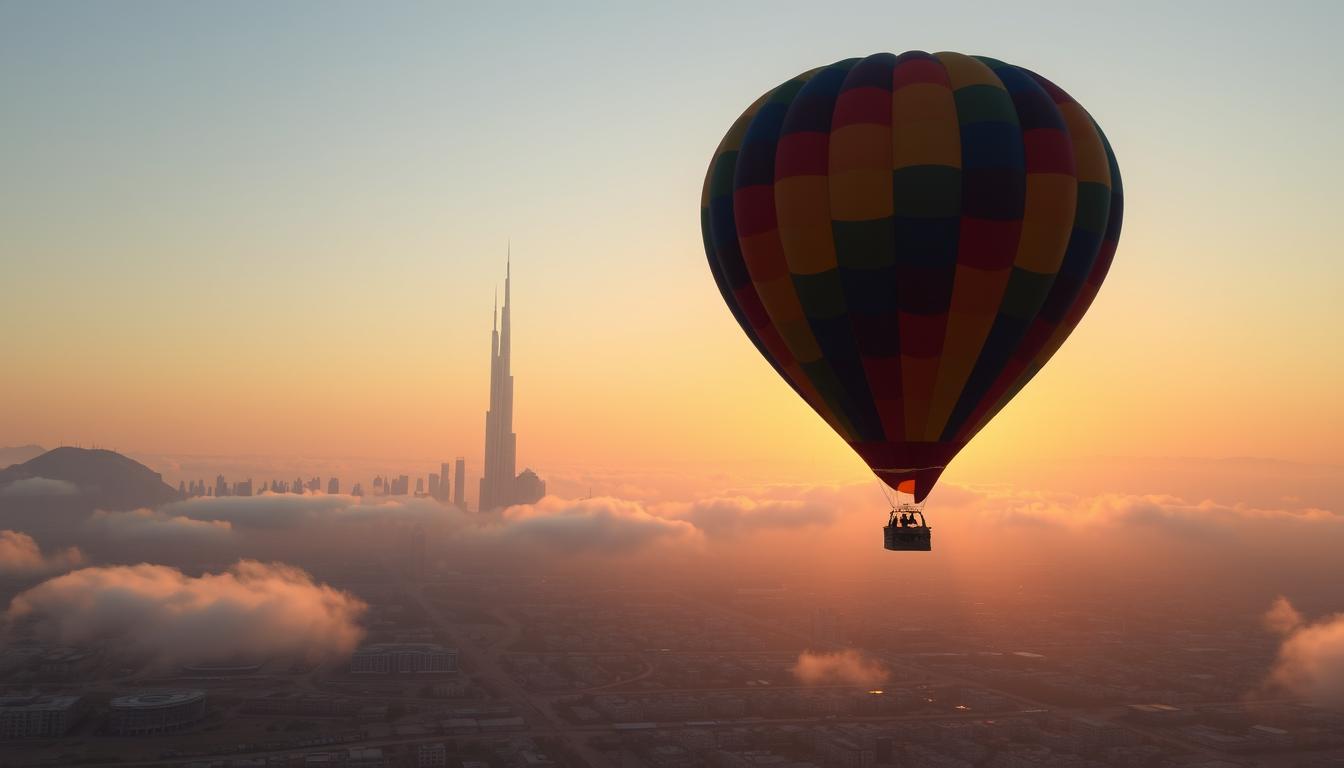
883 488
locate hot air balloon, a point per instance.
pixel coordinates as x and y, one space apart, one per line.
908 239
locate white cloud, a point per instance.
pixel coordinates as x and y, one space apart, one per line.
40 486
253 609
847 667
1310 661
20 555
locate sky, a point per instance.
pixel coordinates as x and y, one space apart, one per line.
275 229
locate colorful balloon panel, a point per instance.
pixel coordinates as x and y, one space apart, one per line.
908 240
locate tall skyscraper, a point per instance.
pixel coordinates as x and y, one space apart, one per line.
444 483
501 444
460 484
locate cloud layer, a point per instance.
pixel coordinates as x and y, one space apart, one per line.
1311 658
848 667
39 486
253 609
151 525
20 555
603 525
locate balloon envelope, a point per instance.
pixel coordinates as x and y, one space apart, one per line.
907 239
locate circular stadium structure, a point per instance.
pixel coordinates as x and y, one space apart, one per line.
149 712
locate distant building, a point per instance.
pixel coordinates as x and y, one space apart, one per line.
221 487
243 488
444 484
357 490
500 486
153 712
460 484
403 658
431 756
364 757
844 753
528 488
433 487
334 485
28 717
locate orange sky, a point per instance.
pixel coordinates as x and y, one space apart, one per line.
305 267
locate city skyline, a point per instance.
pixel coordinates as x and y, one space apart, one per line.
499 486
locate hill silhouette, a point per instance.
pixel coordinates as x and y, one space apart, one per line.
104 479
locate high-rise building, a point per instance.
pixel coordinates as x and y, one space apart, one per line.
500 486
460 484
501 444
528 488
334 485
444 484
432 488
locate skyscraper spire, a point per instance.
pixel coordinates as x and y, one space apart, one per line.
498 481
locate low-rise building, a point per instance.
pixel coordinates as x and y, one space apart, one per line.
23 717
431 756
403 658
151 712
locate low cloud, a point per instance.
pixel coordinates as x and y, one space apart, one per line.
735 515
848 667
253 609
20 555
150 525
293 527
279 511
40 486
1172 514
602 525
1310 661
1282 618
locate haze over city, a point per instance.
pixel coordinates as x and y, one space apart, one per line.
368 400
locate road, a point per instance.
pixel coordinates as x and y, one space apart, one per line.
535 708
